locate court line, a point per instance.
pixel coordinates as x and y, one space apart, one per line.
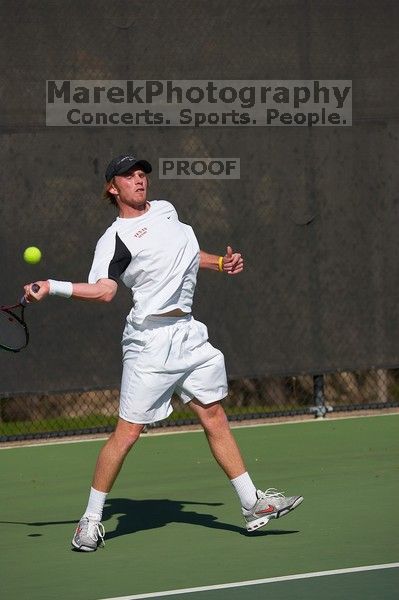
47 442
224 586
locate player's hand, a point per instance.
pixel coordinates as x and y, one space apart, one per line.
32 296
233 262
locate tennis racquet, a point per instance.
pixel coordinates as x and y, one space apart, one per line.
14 333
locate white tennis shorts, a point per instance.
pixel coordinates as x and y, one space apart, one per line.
166 355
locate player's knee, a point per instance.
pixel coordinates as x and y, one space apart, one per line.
214 417
127 434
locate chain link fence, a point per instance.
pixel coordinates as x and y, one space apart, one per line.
95 411
313 323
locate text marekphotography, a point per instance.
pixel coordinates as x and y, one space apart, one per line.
199 103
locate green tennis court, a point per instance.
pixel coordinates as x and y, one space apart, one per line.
173 522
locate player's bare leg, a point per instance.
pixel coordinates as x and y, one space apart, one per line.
221 441
113 454
89 533
257 507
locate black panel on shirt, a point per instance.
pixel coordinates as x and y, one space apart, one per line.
120 260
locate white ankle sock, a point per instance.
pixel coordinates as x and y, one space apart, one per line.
94 509
245 489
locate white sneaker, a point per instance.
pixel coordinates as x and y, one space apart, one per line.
89 535
270 504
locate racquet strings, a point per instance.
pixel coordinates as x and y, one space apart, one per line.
13 332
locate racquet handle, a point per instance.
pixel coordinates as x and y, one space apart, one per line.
35 288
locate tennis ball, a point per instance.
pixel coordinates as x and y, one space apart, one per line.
32 255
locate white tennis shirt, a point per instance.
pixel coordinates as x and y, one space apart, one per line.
154 255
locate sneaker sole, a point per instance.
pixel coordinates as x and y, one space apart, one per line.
83 548
262 521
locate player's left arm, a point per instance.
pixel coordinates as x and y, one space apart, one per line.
231 263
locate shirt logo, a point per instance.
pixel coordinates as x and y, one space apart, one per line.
140 232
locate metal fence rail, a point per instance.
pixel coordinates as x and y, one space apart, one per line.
45 415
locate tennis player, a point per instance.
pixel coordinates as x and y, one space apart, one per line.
165 350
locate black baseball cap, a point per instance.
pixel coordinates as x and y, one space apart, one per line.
123 163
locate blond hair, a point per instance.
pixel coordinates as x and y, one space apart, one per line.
106 195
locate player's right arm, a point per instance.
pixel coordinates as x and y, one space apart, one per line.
103 290
110 260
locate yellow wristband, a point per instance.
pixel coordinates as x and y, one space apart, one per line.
220 263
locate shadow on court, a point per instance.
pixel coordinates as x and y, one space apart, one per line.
141 515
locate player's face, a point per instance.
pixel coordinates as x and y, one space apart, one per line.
131 188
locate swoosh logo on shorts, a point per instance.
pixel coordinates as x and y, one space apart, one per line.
266 511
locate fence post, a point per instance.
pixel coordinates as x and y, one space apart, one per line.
319 409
